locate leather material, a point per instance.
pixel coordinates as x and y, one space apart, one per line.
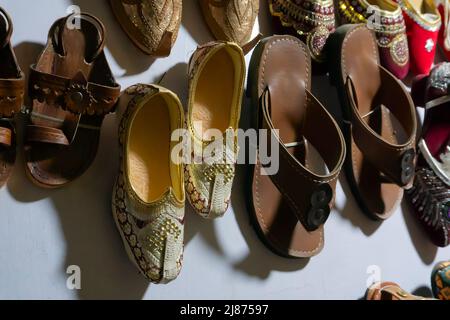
12 82
284 203
72 88
152 25
380 123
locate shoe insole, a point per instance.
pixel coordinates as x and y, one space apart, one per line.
214 95
149 150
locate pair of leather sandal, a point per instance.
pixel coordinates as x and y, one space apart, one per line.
12 82
72 89
290 196
153 25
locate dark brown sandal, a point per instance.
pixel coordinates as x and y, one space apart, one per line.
12 82
379 122
290 206
72 89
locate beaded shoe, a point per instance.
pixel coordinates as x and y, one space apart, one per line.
311 20
385 18
148 197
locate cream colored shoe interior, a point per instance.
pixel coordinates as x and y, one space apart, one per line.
150 169
216 98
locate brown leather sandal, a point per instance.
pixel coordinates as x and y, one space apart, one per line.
152 25
72 88
291 205
12 82
379 122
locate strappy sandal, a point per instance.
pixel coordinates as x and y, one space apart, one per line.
390 291
12 82
152 25
430 194
379 122
72 89
290 206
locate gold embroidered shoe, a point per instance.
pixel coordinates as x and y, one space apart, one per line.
385 18
148 197
217 74
231 20
152 25
311 20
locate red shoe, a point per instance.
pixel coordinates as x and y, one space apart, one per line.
430 194
390 30
423 22
444 36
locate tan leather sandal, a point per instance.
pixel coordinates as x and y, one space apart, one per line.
379 122
152 25
72 89
231 20
390 291
148 197
12 82
289 205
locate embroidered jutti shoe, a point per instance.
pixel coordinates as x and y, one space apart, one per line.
430 194
152 25
148 197
385 18
311 20
423 22
231 20
12 83
217 74
440 280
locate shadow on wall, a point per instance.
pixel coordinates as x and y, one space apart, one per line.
424 247
129 58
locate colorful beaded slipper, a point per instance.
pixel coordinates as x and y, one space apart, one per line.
389 27
379 121
390 291
12 83
290 195
440 281
423 22
231 20
430 194
216 85
72 89
311 20
152 25
148 197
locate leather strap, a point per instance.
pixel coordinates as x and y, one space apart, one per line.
35 133
76 95
312 207
5 136
395 161
11 95
4 39
63 23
